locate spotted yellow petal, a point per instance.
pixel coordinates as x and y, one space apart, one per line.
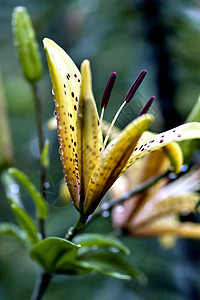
113 160
66 80
167 227
170 205
184 132
89 133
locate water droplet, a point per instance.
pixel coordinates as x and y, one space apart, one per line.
105 206
172 176
94 247
184 168
70 231
53 93
14 188
47 185
120 209
60 151
105 214
95 176
114 250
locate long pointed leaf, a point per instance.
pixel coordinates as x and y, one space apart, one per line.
40 203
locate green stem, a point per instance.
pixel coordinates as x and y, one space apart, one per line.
41 286
38 113
108 206
76 228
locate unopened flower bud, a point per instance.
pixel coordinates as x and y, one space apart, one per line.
6 152
26 44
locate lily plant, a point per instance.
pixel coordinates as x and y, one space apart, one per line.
91 165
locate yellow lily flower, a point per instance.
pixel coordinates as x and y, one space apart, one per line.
90 166
155 212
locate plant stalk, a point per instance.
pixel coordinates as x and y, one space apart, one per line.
72 232
41 286
38 113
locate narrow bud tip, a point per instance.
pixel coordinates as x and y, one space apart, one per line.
133 89
108 90
147 106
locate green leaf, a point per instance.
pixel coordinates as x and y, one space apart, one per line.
110 264
40 203
194 115
9 229
100 240
45 154
26 223
54 254
12 189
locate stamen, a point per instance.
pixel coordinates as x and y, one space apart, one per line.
112 124
107 93
133 89
127 99
147 106
108 90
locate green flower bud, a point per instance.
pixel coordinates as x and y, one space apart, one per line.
6 152
26 44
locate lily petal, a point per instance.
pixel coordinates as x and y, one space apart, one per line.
113 160
175 155
89 137
170 205
184 132
65 79
160 228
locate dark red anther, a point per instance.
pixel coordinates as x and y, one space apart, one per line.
147 106
108 90
135 86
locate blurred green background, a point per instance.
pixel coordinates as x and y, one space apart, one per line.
124 36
